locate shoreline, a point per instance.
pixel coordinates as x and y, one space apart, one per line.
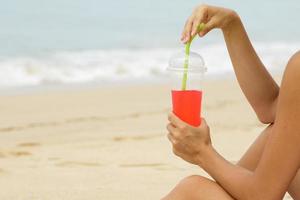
73 87
70 69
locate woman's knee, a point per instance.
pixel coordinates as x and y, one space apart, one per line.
197 187
187 187
200 188
194 181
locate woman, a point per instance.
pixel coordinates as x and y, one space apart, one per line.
270 167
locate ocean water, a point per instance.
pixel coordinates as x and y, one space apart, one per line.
84 41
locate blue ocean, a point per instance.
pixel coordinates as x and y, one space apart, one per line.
85 41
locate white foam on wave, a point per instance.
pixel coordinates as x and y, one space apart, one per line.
124 64
274 56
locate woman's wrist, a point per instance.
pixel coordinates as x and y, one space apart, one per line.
206 154
234 21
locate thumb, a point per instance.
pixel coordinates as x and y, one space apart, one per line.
203 122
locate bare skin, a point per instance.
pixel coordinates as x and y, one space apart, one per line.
270 167
198 187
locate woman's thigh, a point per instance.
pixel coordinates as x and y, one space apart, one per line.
252 156
294 188
198 188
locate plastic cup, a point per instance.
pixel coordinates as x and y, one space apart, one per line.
187 100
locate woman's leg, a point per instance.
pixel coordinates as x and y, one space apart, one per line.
198 188
251 158
294 188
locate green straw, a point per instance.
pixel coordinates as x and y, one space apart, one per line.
187 56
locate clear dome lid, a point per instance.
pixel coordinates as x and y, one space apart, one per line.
196 63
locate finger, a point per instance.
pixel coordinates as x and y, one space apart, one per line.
173 131
176 121
203 123
196 23
175 145
171 139
175 152
201 17
211 24
187 30
183 32
171 128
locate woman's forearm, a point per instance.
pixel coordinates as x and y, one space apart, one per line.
237 181
255 81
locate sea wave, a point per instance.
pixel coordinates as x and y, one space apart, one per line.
124 64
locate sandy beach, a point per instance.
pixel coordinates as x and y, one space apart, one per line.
108 143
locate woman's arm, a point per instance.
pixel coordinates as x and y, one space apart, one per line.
281 157
256 83
280 160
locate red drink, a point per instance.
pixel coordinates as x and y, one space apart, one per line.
187 105
186 75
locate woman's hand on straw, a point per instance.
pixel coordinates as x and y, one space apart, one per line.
212 17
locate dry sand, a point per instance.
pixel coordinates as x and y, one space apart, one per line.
108 143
